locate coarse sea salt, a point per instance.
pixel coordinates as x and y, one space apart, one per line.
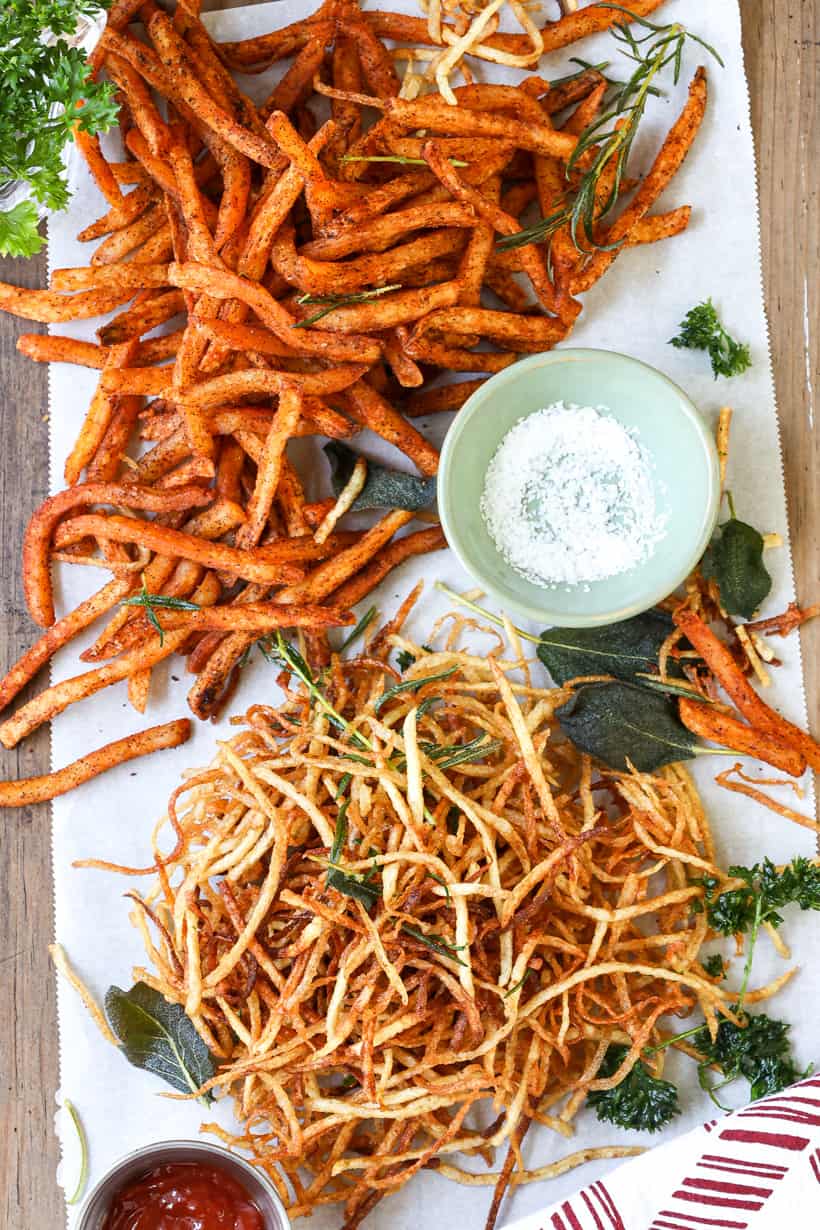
569 497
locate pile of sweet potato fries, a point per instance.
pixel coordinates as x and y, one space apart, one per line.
233 221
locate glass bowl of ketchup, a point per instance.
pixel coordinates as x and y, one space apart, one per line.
183 1185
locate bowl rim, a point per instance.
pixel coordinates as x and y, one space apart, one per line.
157 1151
465 416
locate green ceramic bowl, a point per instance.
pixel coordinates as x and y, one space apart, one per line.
685 472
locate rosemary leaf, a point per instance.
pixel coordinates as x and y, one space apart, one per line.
436 942
399 158
362 626
332 302
411 685
154 602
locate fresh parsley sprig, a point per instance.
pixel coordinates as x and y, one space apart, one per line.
761 898
641 1102
702 329
47 90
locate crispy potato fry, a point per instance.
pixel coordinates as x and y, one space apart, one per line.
437 400
49 307
364 404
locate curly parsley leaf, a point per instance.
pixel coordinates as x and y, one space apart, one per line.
701 329
19 235
764 894
759 1051
714 966
640 1103
47 90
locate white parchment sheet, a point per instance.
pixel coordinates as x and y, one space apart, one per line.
636 309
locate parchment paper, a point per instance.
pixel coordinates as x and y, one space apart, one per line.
636 309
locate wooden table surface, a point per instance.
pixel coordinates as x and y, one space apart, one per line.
782 44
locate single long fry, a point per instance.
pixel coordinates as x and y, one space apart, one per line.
32 790
740 691
710 723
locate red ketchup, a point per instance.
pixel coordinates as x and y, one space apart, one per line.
184 1196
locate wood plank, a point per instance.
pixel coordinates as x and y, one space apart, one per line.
782 47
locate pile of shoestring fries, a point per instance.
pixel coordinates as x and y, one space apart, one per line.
396 901
227 223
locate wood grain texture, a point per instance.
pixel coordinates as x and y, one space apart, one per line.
782 41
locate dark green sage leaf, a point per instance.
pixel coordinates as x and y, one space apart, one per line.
383 488
618 722
158 1037
622 649
735 561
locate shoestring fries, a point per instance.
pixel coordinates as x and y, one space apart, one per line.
397 898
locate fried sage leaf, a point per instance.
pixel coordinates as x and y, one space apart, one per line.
622 649
620 723
383 488
158 1037
735 561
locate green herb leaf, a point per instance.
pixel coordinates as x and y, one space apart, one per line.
361 627
360 887
759 1051
606 143
383 488
702 329
518 984
158 1037
436 942
617 722
766 892
331 302
82 1177
714 966
156 602
640 1103
399 158
405 659
621 649
19 234
411 685
47 88
735 561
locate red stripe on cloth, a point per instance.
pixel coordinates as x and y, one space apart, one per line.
609 1206
720 1202
599 1225
743 1161
725 1168
558 1222
784 1114
690 1219
773 1140
731 1189
815 1164
566 1209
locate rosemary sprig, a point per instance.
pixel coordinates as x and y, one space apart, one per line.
362 626
448 758
332 302
399 158
436 942
519 984
443 883
158 602
606 140
288 655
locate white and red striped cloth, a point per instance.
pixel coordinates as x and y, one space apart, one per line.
756 1169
